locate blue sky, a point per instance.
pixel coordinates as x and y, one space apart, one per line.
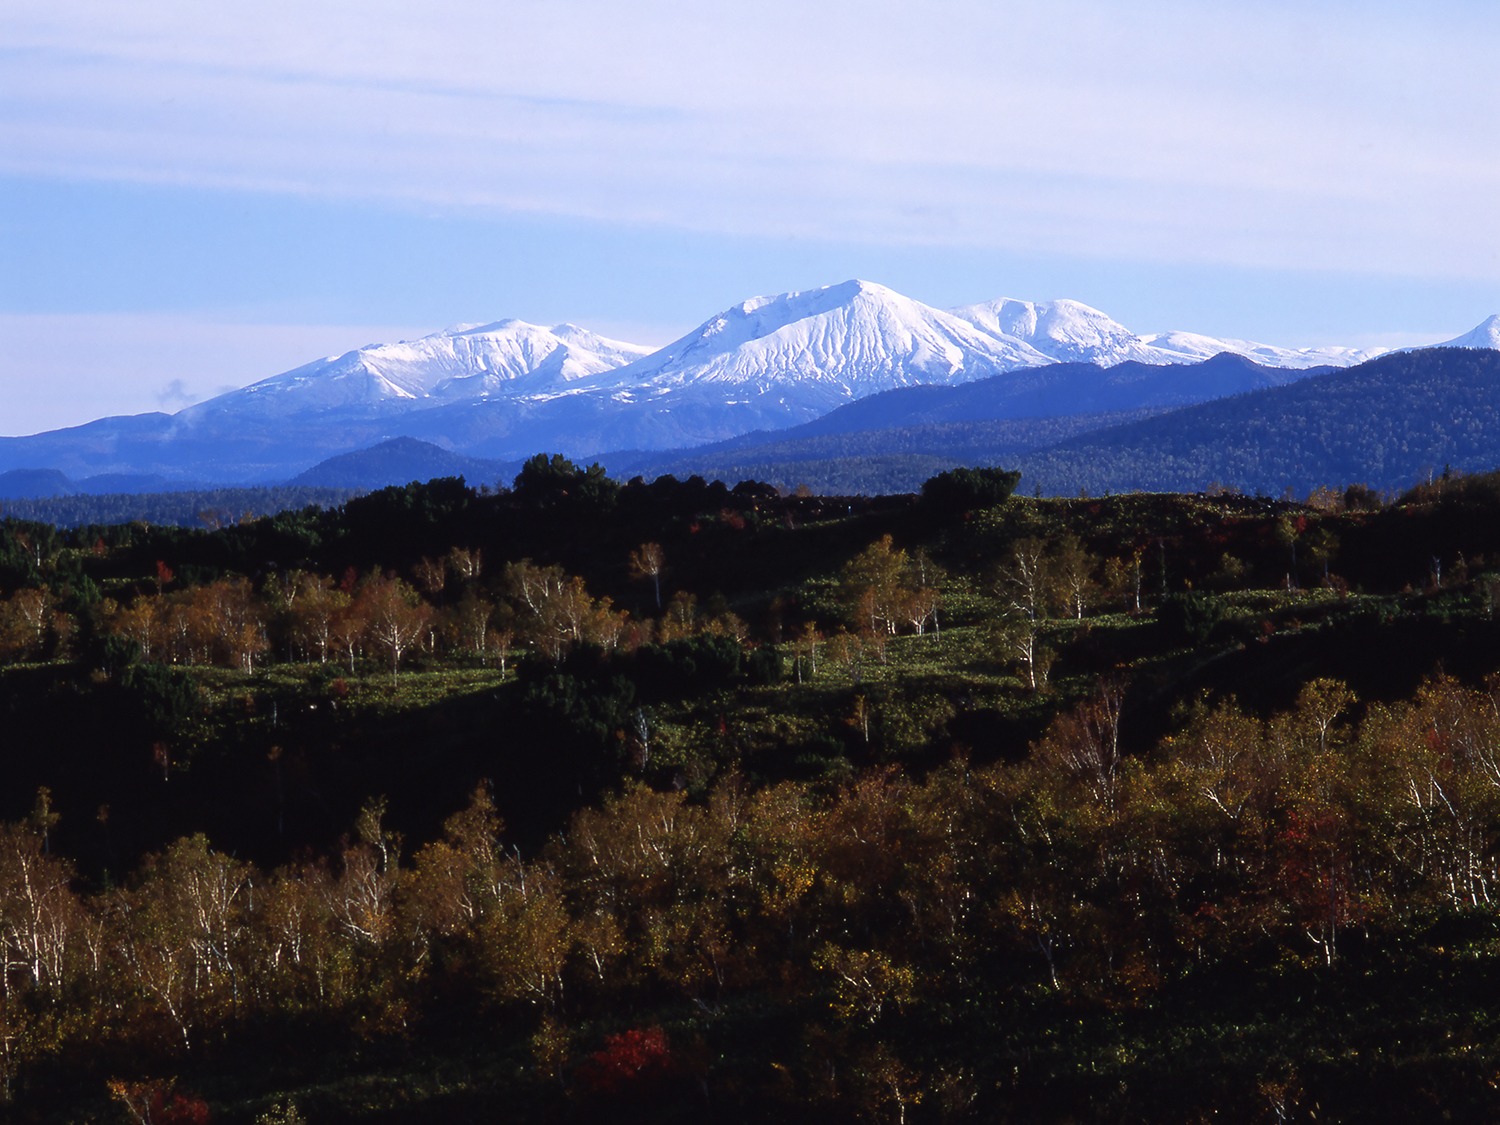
194 196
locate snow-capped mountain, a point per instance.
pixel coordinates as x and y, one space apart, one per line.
1072 332
1485 335
466 363
1189 347
1063 331
798 351
509 389
767 362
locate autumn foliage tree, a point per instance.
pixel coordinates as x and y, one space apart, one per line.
395 616
884 588
648 561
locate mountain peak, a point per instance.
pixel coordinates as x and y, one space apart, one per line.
857 287
810 302
1486 334
462 363
1062 330
811 350
396 461
509 324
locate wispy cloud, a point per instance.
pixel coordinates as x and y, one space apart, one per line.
1265 134
175 395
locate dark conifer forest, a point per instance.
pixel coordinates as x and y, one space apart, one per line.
587 801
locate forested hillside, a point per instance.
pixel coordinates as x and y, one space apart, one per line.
201 508
582 801
869 462
1386 423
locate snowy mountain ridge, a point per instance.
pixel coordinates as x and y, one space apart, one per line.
843 340
508 389
469 362
1072 332
827 345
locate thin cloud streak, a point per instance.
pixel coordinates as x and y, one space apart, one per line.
1181 133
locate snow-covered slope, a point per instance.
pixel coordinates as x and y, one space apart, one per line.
1069 331
468 363
834 343
1189 347
1485 335
1064 331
